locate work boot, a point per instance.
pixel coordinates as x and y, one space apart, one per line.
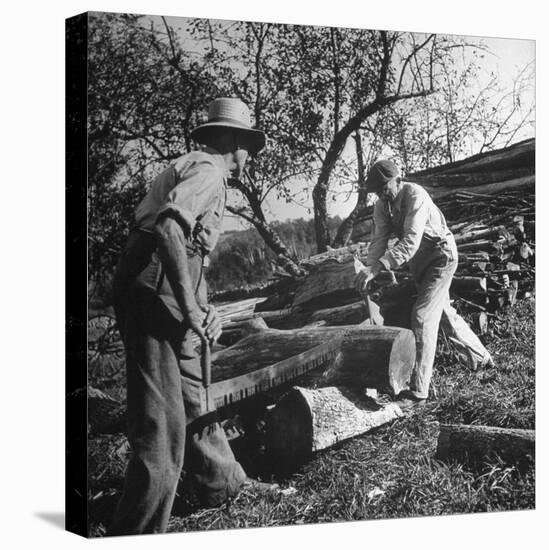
259 486
408 401
486 362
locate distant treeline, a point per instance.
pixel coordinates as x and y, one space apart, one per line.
242 258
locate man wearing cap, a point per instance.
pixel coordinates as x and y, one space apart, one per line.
160 299
428 248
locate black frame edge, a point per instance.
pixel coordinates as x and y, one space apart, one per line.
76 46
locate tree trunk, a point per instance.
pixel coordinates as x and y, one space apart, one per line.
305 421
477 443
346 228
274 242
257 218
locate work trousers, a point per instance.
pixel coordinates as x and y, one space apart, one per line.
432 268
163 381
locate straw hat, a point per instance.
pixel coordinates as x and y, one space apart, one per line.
230 112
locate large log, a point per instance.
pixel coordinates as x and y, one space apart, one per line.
305 421
469 179
518 155
380 357
470 443
329 284
525 182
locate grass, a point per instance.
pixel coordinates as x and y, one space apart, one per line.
388 473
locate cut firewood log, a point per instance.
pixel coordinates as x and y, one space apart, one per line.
466 284
480 322
468 258
483 245
378 357
469 443
305 421
489 233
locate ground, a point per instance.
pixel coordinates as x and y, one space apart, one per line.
390 472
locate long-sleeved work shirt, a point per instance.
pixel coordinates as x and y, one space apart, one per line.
413 218
192 190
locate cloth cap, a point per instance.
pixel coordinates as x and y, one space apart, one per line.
380 173
230 112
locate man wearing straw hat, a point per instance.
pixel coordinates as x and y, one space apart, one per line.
160 299
427 247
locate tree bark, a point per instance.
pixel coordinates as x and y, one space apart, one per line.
257 218
470 443
306 420
518 155
471 179
439 193
488 233
293 318
377 357
346 228
327 285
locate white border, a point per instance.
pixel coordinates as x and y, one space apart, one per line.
32 395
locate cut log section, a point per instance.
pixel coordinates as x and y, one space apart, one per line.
466 284
377 357
468 443
329 284
305 421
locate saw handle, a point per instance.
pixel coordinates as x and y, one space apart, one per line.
206 363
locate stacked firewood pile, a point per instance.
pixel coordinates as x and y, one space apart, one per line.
496 248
